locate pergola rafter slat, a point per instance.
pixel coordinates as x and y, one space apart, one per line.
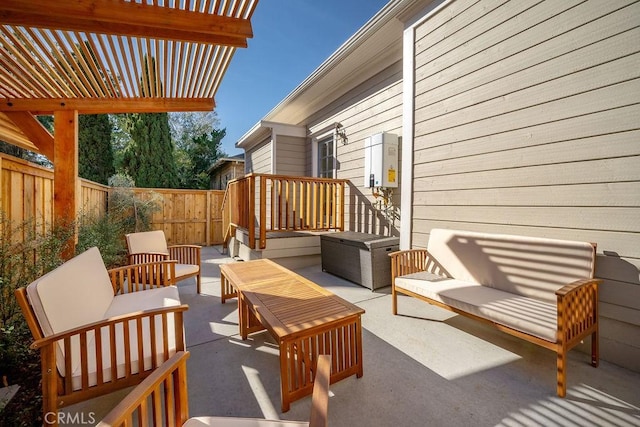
19 57
118 49
48 62
17 86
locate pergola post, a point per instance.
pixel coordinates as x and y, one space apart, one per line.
65 174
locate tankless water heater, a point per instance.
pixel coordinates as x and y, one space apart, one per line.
381 160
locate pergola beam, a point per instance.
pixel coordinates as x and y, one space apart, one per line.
65 173
42 106
116 17
34 131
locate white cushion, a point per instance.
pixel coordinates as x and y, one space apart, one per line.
147 241
528 266
521 313
239 422
75 294
186 269
122 305
150 299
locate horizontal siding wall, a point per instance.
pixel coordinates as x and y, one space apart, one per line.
258 159
290 155
526 122
373 107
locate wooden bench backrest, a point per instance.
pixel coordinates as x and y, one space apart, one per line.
530 266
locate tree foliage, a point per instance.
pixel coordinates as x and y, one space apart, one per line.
157 150
149 157
95 153
202 152
198 146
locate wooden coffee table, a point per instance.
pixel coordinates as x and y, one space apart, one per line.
304 318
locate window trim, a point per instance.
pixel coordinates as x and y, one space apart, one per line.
315 144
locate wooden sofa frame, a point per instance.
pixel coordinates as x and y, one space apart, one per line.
577 308
162 400
58 390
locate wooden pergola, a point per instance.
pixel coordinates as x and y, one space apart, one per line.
65 58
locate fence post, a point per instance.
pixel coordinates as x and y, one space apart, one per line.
251 215
263 212
207 227
342 205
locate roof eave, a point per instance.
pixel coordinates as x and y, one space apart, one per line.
389 12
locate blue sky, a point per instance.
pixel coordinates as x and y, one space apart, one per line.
291 38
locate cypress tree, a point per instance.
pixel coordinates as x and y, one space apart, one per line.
95 153
149 158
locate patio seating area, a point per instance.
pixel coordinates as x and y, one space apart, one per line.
426 366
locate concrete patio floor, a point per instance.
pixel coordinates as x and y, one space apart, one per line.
424 367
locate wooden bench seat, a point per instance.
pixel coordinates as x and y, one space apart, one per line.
540 290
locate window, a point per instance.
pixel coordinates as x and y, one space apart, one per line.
326 158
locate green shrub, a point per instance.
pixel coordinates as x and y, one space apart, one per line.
133 211
24 256
107 233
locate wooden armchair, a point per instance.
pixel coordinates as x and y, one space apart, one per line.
148 246
99 331
161 400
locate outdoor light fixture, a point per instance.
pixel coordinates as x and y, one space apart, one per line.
341 134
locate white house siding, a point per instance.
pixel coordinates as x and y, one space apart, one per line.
258 158
526 122
290 155
373 107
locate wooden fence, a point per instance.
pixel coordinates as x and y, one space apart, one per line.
186 216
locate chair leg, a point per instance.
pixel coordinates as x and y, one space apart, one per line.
394 300
198 283
49 387
562 373
595 349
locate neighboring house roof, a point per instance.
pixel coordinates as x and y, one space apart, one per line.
238 158
376 46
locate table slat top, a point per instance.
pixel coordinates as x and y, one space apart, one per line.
289 302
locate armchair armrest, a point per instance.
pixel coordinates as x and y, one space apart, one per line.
112 321
577 305
407 262
185 254
141 276
171 375
94 349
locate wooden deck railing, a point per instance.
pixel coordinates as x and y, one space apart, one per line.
261 203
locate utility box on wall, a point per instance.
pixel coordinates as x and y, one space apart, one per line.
381 160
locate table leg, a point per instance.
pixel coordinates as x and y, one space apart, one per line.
247 320
359 347
284 377
227 290
243 317
342 340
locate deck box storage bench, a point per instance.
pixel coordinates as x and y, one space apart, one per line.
359 257
101 330
541 290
